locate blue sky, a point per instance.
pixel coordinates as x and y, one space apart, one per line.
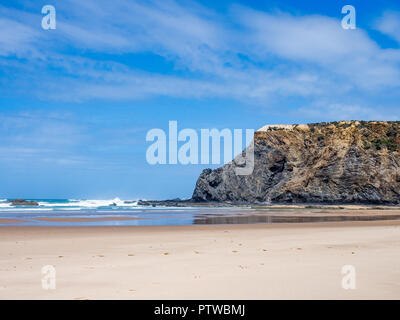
76 102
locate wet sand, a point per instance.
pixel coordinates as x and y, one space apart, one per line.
288 214
11 221
300 216
86 219
281 261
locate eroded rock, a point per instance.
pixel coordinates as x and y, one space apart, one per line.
338 162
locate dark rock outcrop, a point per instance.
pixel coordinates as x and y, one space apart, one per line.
338 162
25 203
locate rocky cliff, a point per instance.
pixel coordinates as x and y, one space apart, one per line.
337 162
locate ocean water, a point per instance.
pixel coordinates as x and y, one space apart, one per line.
116 212
113 212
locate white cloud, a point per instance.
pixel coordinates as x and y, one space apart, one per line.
286 56
40 137
343 112
389 24
15 38
349 55
39 130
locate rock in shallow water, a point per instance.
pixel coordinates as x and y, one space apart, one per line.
22 202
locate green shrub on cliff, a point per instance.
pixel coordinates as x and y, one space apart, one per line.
389 143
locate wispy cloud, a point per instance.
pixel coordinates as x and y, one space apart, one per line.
37 137
245 54
389 24
331 112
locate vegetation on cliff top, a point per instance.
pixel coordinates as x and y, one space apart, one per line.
375 135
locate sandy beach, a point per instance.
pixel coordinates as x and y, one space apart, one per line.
281 261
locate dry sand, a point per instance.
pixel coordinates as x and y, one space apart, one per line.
285 261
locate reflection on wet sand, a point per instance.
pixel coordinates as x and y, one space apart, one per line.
199 216
249 219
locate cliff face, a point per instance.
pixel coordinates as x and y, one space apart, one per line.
345 162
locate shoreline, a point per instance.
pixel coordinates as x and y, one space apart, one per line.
202 227
200 217
258 205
